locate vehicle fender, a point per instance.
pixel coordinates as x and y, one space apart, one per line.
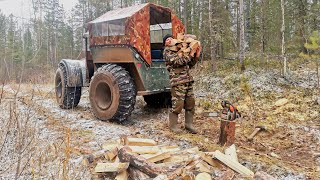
76 72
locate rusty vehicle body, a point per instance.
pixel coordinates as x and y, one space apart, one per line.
123 58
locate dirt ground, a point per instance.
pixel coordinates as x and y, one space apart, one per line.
40 140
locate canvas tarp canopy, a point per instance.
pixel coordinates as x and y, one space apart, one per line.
131 25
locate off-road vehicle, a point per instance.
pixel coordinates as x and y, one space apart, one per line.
122 59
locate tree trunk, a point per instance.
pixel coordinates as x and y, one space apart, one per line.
185 15
283 42
179 8
227 133
213 44
262 6
302 16
248 24
242 41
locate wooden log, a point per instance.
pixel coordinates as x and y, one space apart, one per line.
185 45
233 164
188 176
122 176
161 177
189 40
145 149
190 36
111 146
175 173
169 149
179 46
180 53
178 158
187 50
125 155
156 157
88 159
135 173
232 152
227 133
180 36
111 167
174 48
116 159
110 155
139 142
204 167
194 44
207 159
193 150
203 176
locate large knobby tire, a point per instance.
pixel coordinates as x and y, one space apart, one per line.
112 93
67 97
160 100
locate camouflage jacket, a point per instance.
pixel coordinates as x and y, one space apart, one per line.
178 67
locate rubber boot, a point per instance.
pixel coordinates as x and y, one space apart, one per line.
189 121
173 121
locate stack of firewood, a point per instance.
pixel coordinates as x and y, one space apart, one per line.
136 158
184 44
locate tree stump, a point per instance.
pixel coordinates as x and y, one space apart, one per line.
227 133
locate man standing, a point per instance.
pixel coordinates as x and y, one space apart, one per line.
181 84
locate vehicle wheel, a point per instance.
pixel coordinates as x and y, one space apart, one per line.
67 97
159 100
112 93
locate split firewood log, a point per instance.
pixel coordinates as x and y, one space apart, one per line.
135 173
125 155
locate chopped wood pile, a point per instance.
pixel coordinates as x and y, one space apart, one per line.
136 158
184 44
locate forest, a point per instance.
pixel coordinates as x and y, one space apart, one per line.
260 56
40 41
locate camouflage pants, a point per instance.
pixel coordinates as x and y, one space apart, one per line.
182 97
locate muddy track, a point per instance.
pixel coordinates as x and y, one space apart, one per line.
88 134
88 131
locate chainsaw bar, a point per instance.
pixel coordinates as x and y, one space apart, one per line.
229 112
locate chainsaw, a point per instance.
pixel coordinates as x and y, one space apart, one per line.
229 112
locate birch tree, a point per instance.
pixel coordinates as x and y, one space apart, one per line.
283 40
212 37
242 40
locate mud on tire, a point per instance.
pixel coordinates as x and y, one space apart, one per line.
112 93
67 97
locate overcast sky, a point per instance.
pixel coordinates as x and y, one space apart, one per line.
22 8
